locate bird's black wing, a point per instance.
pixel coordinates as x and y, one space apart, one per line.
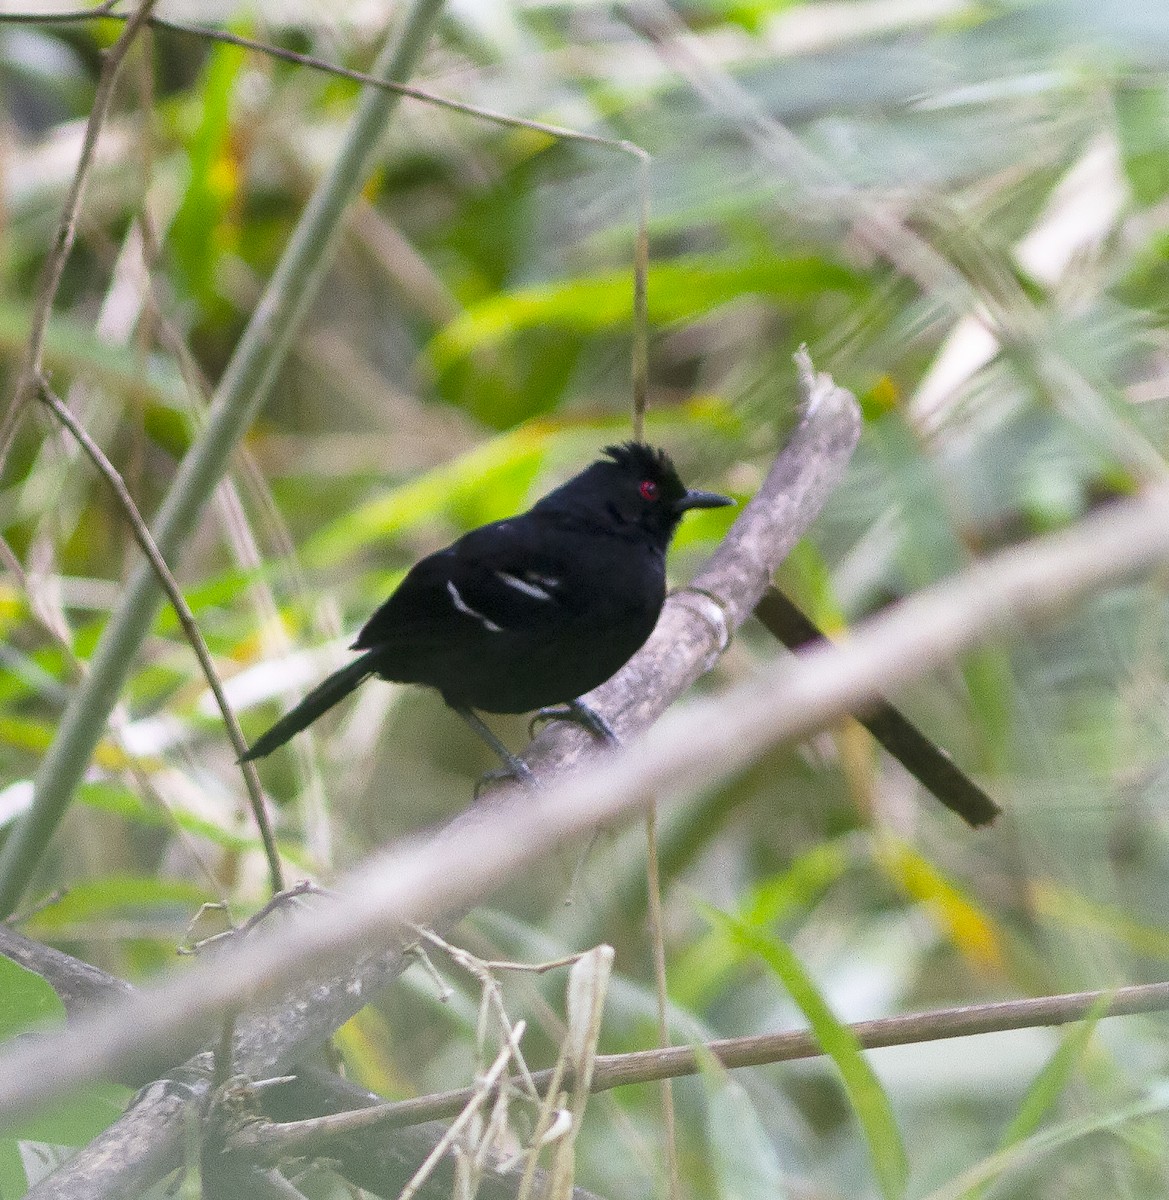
500 578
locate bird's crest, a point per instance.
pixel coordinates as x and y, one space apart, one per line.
641 459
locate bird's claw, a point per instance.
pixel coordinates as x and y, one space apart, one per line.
579 714
516 770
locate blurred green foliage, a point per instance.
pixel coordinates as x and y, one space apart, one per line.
470 348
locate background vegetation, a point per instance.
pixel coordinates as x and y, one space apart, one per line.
885 180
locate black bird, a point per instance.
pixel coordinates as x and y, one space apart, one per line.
530 612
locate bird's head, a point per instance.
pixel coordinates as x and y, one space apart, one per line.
635 487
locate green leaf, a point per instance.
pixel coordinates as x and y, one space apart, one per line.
117 893
200 229
488 483
79 1117
25 999
28 1001
220 591
1049 1084
25 733
677 291
121 802
990 685
705 967
815 589
1055 1137
1142 118
864 1090
13 1181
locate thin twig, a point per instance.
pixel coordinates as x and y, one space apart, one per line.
186 619
33 366
491 996
674 1062
641 301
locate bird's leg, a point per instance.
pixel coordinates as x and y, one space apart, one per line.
514 768
580 714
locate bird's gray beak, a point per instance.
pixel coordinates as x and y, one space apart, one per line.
696 499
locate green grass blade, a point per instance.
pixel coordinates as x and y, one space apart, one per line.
865 1093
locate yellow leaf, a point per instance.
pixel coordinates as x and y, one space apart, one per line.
964 923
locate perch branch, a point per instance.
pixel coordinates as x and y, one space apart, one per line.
146 1140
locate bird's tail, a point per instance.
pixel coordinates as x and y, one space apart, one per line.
330 691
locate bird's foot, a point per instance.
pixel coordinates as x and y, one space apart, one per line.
580 714
514 769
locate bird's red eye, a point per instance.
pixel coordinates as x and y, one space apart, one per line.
648 489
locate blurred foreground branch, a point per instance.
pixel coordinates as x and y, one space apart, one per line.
690 749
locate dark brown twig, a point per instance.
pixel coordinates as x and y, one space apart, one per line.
922 758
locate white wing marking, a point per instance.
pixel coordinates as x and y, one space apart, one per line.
522 585
464 607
